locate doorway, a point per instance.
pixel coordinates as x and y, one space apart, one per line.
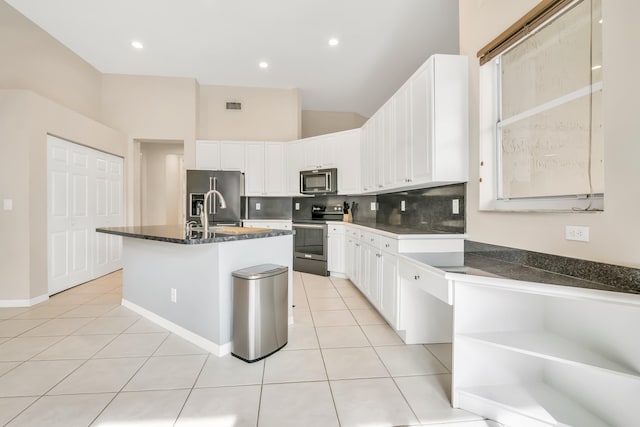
161 185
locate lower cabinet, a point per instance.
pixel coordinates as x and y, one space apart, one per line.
388 279
336 249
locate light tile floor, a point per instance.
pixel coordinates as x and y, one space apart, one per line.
82 359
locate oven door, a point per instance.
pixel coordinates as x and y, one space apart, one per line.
310 241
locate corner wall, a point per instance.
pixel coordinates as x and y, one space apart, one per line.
25 120
614 233
316 123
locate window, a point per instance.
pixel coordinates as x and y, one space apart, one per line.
541 116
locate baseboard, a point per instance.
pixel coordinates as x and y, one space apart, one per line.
23 302
339 275
210 346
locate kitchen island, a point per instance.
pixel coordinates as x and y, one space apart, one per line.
183 282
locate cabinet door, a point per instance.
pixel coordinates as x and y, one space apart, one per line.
254 169
232 156
208 155
357 264
422 123
389 287
295 163
335 253
368 158
348 164
403 134
274 169
312 153
387 162
329 146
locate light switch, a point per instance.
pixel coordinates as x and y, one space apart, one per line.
7 204
455 206
403 206
373 206
257 206
297 206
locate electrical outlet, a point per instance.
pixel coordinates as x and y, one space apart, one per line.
455 206
403 206
258 206
373 206
297 206
7 204
574 232
174 295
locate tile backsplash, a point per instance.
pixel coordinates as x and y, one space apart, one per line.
425 210
428 209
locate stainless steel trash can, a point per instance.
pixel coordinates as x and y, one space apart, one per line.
260 311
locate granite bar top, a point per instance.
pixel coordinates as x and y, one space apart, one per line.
176 234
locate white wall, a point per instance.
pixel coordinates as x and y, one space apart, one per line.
614 233
322 122
266 115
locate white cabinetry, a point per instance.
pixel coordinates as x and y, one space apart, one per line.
420 136
394 284
339 150
220 155
264 169
295 163
439 121
530 354
336 249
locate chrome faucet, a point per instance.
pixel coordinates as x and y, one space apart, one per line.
204 217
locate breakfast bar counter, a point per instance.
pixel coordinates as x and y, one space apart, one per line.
183 282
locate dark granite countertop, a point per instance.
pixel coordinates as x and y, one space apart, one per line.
479 265
176 234
506 263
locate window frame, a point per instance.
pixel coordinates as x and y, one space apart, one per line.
490 101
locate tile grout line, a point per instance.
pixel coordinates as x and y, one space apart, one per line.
129 380
324 364
61 380
195 381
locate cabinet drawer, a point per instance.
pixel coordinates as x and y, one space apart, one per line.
388 244
336 229
427 280
370 238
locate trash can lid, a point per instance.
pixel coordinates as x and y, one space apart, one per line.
260 271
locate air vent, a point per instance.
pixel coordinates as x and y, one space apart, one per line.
234 106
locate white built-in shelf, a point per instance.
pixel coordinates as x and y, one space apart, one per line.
552 347
531 404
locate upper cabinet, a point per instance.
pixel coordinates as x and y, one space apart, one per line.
420 136
220 155
265 169
339 150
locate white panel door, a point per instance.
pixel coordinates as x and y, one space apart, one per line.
108 188
85 191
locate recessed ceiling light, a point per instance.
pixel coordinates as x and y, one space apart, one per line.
136 44
263 64
333 42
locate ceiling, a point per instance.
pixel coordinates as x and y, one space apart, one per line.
221 42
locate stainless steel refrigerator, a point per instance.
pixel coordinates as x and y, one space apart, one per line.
229 183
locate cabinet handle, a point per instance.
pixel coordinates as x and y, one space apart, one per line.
386 245
416 277
372 239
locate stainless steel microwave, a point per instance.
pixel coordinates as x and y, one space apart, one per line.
319 181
